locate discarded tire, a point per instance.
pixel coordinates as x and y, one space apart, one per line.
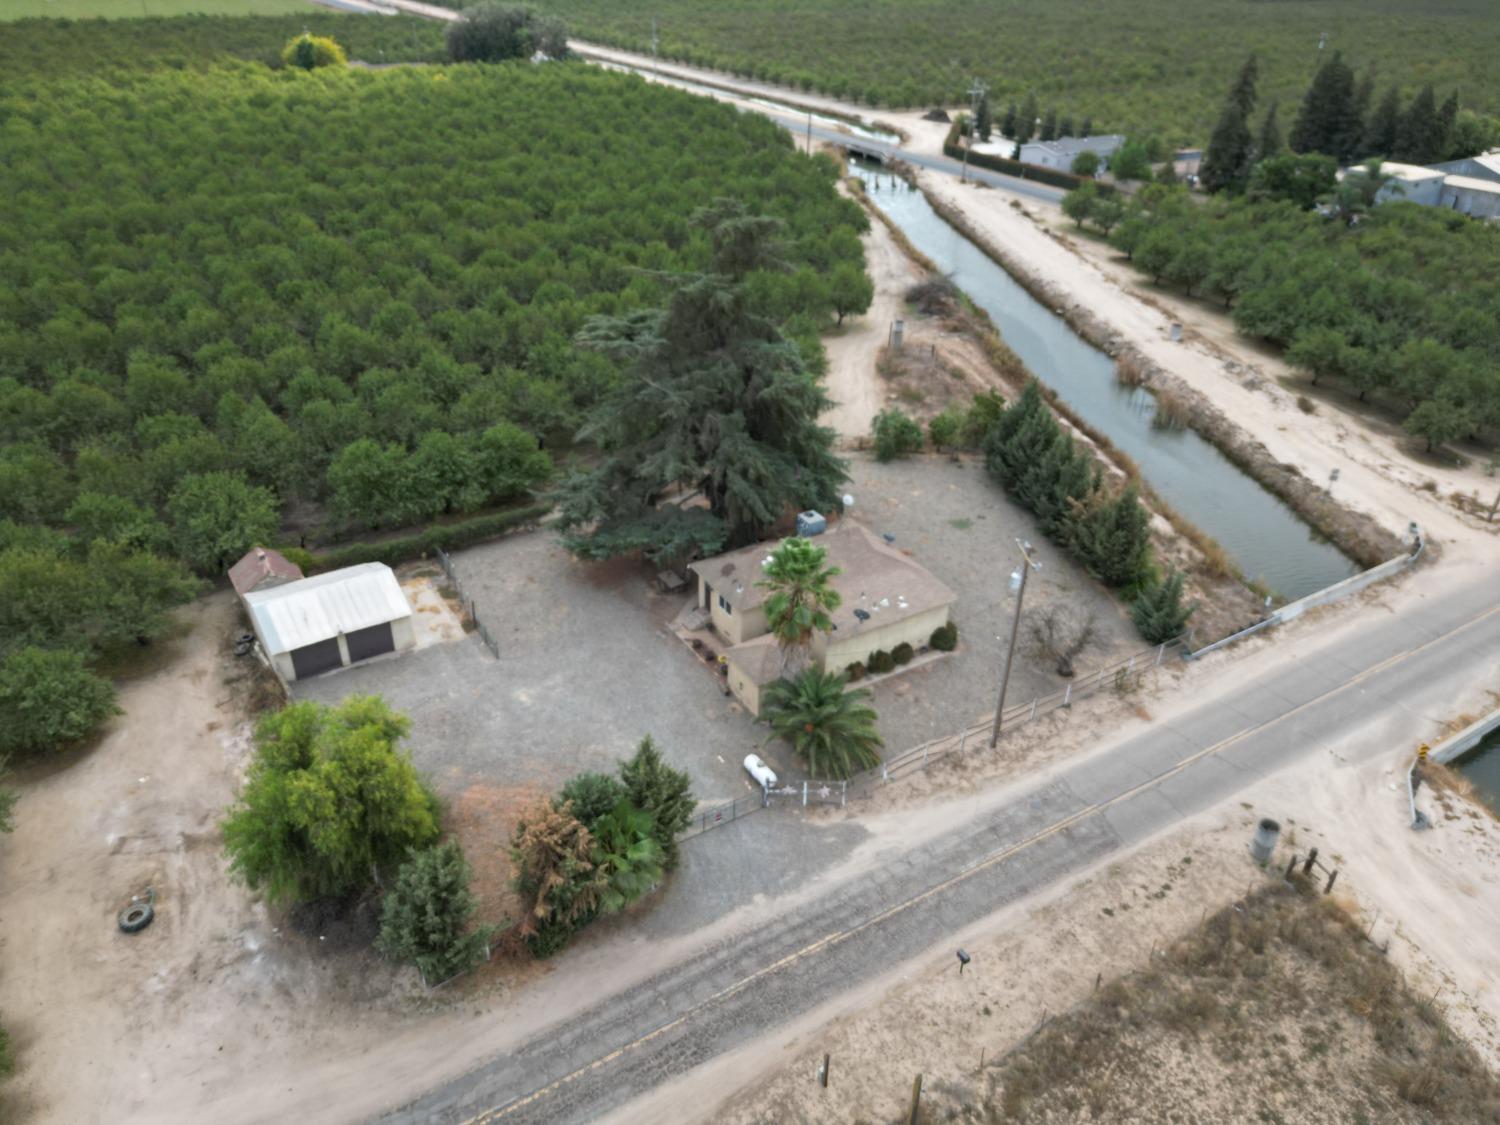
136 917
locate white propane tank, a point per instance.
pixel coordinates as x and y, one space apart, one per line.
764 775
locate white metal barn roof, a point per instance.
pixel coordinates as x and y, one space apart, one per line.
315 609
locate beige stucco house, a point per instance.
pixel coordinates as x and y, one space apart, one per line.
888 598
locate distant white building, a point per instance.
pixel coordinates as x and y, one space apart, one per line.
331 620
1484 167
1446 186
1061 153
1058 154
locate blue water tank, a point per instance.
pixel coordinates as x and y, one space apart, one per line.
810 524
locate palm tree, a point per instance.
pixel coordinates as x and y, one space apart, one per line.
831 729
626 852
801 599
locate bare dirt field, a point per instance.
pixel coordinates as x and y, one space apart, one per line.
1139 916
114 1027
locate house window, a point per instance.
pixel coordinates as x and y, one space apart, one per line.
725 606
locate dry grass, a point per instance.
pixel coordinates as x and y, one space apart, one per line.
1171 412
1275 1009
1130 371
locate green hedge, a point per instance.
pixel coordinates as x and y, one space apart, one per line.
448 536
1017 168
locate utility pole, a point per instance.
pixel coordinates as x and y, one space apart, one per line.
977 90
655 62
1018 584
1322 42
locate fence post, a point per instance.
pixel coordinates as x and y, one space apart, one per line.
885 773
1312 858
1130 666
1033 710
844 794
924 756
1068 696
963 737
1160 650
804 794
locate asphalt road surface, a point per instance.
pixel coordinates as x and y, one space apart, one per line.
729 993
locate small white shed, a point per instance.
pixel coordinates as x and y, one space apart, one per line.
331 620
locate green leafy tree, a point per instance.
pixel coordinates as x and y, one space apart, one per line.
1439 420
1472 134
1086 163
591 795
667 794
369 482
217 517
134 590
712 397
1079 203
1131 162
330 799
831 729
945 430
850 290
49 701
509 463
800 598
308 52
496 32
1227 160
425 916
1107 213
552 853
115 519
626 855
46 599
8 799
441 476
1158 611
1299 179
896 435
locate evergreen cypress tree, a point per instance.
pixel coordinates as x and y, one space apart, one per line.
1049 126
1419 132
667 794
1087 128
1065 128
1329 120
425 916
1269 142
712 396
1111 536
1364 99
1049 485
1026 121
1159 613
983 124
1380 130
1008 124
1226 164
1002 445
1447 115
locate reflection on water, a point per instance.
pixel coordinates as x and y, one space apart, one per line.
1263 536
1482 767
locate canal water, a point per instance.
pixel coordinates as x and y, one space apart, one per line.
1264 537
1482 767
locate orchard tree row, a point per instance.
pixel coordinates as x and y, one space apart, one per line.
1402 307
1156 67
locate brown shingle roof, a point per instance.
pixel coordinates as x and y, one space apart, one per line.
875 577
262 567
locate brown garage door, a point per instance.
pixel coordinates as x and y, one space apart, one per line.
312 659
374 641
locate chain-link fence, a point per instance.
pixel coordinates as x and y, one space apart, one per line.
467 602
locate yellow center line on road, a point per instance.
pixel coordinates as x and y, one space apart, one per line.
837 936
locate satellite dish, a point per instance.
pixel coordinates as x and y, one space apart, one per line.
848 500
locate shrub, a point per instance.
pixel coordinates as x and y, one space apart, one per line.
855 671
1086 163
552 853
881 661
448 536
330 798
299 557
896 435
50 701
308 52
7 1062
1159 613
592 795
944 638
902 653
495 32
945 430
425 916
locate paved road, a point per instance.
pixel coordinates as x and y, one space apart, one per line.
731 992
